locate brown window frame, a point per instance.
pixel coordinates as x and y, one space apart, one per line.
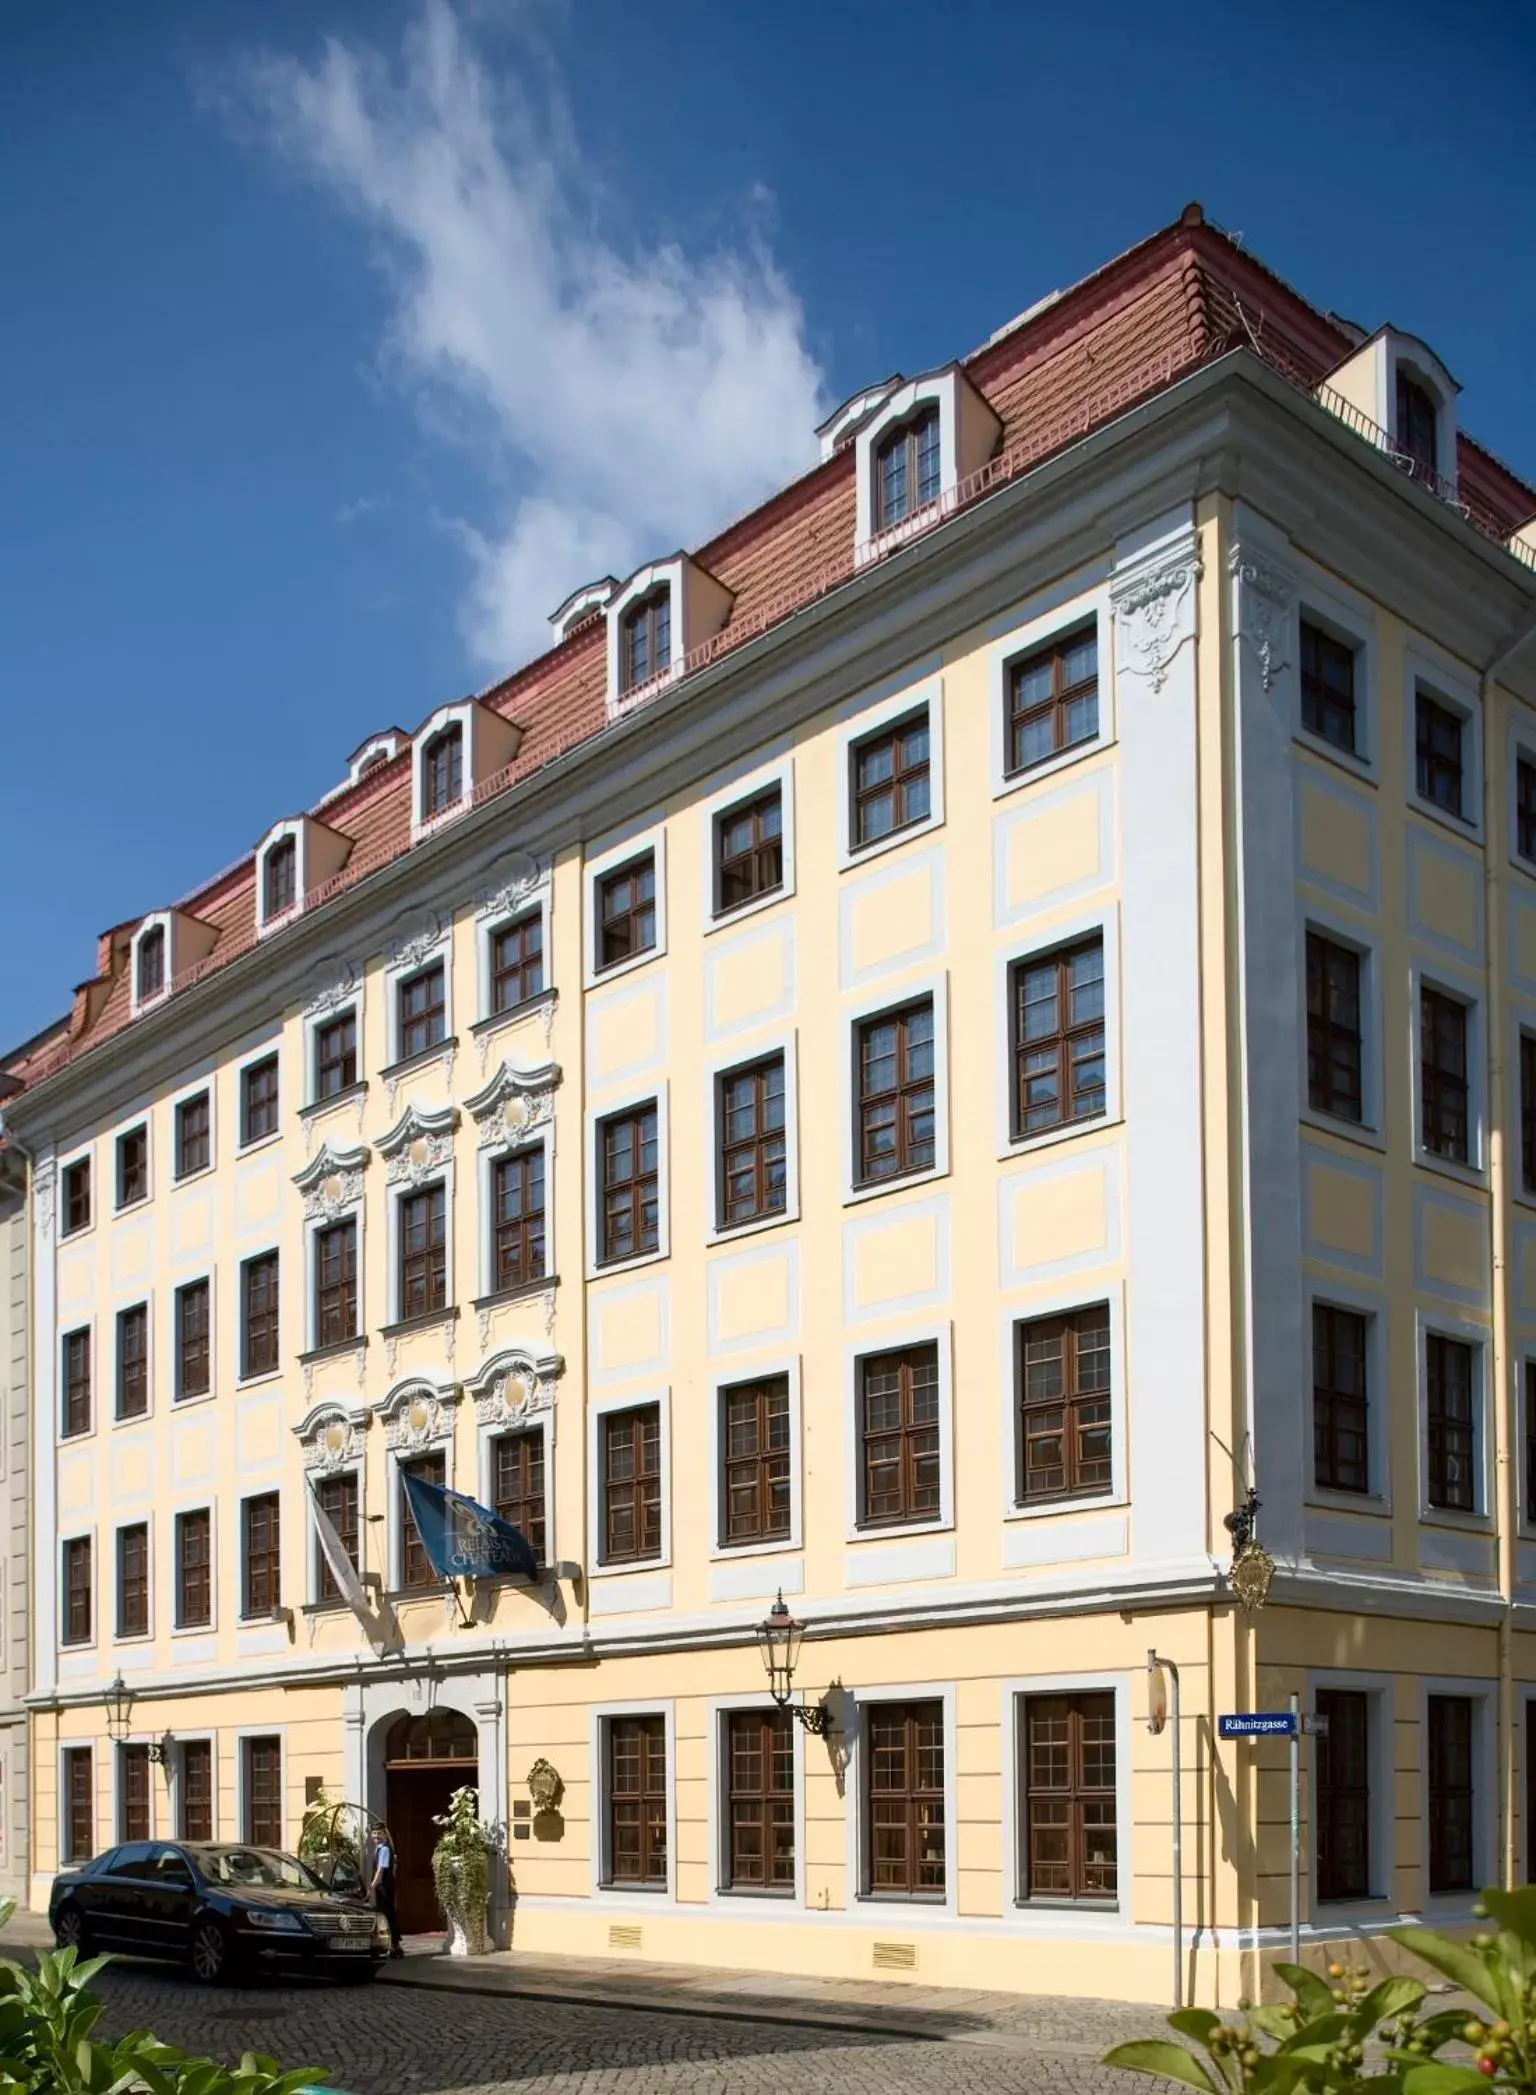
922 468
646 628
1525 808
150 964
907 1806
519 1250
906 780
1329 706
77 1196
1418 437
633 1524
77 1409
642 1832
1450 1778
422 1253
1440 773
752 1142
629 1201
517 962
340 1499
903 1110
1058 1796
336 1283
905 1452
194 1339
336 1055
518 1485
280 879
261 1554
260 1315
1445 1085
624 906
442 771
1528 1110
1342 1796
194 1135
195 1805
1340 1402
1056 706
79 1775
133 1793
133 1166
194 1568
1083 1410
421 1012
758 1766
262 1788
1073 1048
77 1591
259 1101
133 1579
1451 1422
416 1572
1335 1030
132 1399
756 868
756 1455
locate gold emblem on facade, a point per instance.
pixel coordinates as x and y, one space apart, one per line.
1250 1577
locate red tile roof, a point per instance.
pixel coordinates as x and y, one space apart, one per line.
1185 295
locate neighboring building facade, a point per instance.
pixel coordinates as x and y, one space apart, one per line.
912 1052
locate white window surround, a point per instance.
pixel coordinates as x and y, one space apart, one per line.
1427 670
520 889
65 1747
1464 986
316 1018
249 1057
613 857
720 1381
490 1156
1061 1303
173 1519
1048 618
173 1342
378 749
598 1409
241 1379
969 428
700 604
319 852
487 1433
146 1302
1427 1323
489 743
243 1734
98 1635
1519 744
85 1154
442 1393
1332 1914
1326 603
615 1109
402 1190
101 1399
580 605
410 958
940 1334
841 424
145 1520
1520 1020
177 1773
783 1046
723 800
1064 1916
1375 1501
864 725
1341 931
313 1479
635 1896
934 988
146 1121
120 1748
204 1086
717 1811
349 1165
187 940
1484 1790
1103 923
858 1896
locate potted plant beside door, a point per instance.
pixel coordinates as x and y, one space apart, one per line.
461 1871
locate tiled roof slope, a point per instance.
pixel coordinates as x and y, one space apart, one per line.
1176 300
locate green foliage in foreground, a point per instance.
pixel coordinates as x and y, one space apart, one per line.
46 2046
1318 2039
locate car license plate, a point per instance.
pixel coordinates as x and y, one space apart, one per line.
351 1942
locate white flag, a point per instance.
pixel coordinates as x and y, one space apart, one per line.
340 1564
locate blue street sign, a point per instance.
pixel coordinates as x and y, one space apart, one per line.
1258 1724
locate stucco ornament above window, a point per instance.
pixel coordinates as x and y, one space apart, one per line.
332 1183
332 1437
418 1414
1153 596
419 1144
514 1386
516 1103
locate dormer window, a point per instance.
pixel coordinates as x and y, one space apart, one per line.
280 878
907 469
1416 412
647 638
442 772
165 945
151 963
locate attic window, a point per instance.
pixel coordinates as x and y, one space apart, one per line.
151 963
280 878
907 471
1416 412
647 638
442 772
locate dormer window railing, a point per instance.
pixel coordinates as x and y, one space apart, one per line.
907 469
442 763
647 639
280 878
151 963
1416 425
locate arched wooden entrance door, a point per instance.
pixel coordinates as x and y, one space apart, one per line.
426 1759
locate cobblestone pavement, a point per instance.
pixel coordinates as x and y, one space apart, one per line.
389 2039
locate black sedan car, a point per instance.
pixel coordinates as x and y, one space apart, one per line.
223 1908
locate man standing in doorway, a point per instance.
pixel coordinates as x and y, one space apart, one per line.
382 1885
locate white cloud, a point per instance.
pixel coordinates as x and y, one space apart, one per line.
621 403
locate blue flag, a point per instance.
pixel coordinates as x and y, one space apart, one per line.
464 1539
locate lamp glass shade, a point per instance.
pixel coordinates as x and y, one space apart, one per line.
779 1637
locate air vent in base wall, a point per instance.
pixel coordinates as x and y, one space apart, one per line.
623 1935
895 1956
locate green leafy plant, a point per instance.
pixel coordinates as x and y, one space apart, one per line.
461 1866
325 1832
46 2045
1342 2032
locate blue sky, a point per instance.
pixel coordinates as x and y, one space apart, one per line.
341 337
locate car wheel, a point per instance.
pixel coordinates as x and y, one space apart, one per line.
210 1952
69 1930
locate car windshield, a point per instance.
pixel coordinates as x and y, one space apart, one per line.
260 1868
